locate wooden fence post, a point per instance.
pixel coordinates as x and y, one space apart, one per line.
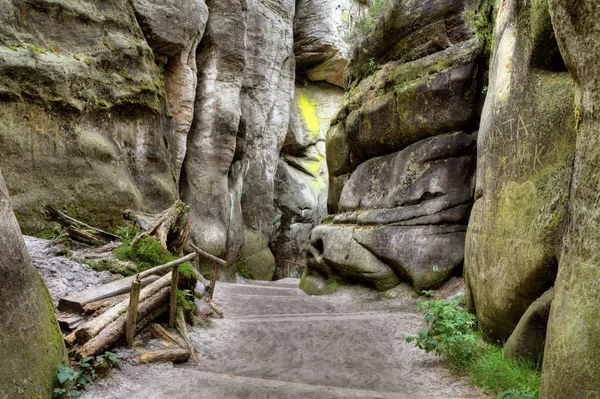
173 299
132 311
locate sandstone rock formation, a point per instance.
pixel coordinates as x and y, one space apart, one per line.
30 340
83 115
401 151
321 29
525 150
301 180
573 343
173 29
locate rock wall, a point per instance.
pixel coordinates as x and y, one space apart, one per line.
401 151
30 339
525 150
85 123
572 349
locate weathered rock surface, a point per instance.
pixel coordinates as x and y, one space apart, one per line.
529 337
570 366
30 340
401 152
301 180
83 116
525 151
212 139
320 31
173 29
267 93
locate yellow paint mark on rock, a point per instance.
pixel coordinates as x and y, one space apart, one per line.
308 109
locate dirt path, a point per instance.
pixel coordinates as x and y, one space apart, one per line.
277 342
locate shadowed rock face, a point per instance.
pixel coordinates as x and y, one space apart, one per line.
30 340
525 151
401 152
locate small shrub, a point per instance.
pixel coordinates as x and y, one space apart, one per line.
452 332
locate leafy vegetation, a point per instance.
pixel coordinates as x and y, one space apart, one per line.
453 333
365 23
72 381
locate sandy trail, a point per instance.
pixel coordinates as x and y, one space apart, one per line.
277 342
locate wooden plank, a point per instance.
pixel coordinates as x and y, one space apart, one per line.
173 298
75 303
70 322
132 310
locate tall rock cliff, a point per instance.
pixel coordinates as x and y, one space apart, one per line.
30 340
525 151
401 151
85 123
570 366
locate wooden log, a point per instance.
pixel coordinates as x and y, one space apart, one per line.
75 303
96 308
110 335
132 311
214 307
209 256
173 298
160 332
175 355
152 317
93 327
67 221
171 227
182 328
197 274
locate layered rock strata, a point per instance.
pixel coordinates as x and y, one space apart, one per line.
401 151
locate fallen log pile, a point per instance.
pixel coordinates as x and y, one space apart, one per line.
100 318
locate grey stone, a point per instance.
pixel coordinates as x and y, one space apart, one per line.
529 337
525 150
572 344
339 250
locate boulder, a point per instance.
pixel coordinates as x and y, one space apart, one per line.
339 250
84 122
525 152
572 349
30 339
529 337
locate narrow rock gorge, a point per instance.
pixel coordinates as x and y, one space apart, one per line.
372 143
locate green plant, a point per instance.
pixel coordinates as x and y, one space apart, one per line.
514 394
484 90
495 373
365 23
72 380
451 331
